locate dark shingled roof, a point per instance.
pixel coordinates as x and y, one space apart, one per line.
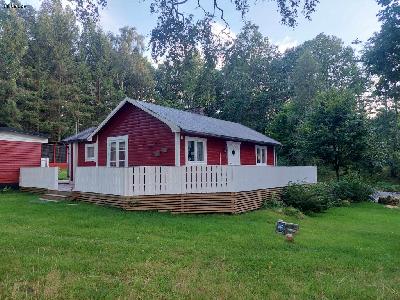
79 137
190 123
199 124
15 130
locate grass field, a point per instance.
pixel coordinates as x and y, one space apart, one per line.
62 174
56 250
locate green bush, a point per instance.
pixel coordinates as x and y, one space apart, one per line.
308 198
352 188
321 196
292 212
274 202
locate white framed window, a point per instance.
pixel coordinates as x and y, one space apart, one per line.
117 151
196 150
90 152
261 155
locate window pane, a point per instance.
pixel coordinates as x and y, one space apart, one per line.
122 155
121 147
90 152
113 152
258 156
113 164
200 151
263 156
190 150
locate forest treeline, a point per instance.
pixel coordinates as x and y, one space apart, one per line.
325 103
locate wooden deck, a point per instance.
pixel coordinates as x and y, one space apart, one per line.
182 189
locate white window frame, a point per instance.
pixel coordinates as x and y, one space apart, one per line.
195 139
266 155
94 152
122 138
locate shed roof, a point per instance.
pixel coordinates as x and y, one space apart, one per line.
179 120
15 130
79 137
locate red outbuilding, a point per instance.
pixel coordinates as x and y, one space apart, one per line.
18 149
138 133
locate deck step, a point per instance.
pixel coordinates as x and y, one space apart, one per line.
63 193
56 197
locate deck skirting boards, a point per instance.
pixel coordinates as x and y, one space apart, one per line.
228 202
33 190
234 202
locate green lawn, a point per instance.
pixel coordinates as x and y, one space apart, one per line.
56 250
62 174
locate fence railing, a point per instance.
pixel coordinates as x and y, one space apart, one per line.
45 178
104 180
158 180
181 180
248 178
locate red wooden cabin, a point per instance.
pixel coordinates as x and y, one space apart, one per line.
139 133
18 149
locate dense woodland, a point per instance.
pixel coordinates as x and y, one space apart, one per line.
326 104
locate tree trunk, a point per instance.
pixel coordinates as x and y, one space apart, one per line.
98 90
337 172
337 166
394 167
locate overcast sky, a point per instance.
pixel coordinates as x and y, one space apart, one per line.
347 19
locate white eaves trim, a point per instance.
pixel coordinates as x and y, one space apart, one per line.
173 127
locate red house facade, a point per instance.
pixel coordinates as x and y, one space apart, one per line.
18 149
138 133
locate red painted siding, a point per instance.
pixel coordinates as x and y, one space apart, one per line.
216 151
247 153
216 146
182 150
14 155
270 156
146 135
81 157
71 163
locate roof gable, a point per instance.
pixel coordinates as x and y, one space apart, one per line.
188 122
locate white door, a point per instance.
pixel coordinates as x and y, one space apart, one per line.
233 153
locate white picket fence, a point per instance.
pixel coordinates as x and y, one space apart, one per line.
181 180
158 180
45 178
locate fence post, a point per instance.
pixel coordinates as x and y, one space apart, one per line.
129 182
